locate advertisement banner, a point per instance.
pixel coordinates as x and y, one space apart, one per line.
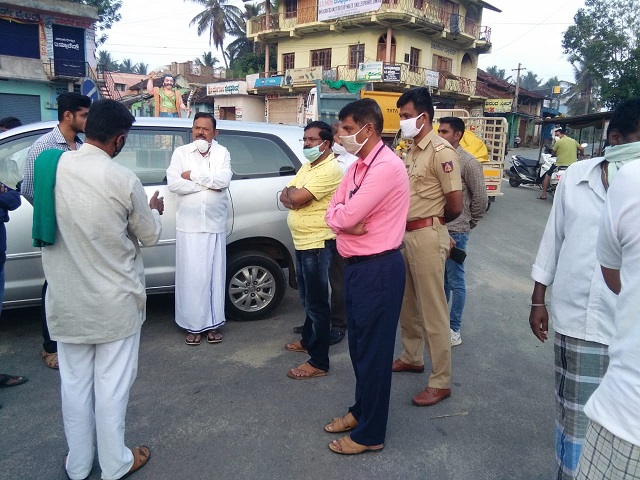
268 82
432 78
498 105
332 9
391 73
227 88
68 51
369 72
296 76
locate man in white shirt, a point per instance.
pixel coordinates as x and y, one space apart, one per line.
200 174
582 307
96 295
612 443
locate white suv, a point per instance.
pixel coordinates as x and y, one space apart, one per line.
264 157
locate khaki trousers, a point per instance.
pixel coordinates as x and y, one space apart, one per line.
424 318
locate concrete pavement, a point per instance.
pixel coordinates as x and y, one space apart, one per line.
228 411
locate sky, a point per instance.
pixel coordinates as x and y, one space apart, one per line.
528 32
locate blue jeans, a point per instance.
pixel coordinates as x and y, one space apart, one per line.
312 272
167 114
454 283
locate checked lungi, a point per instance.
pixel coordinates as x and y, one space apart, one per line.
607 457
579 366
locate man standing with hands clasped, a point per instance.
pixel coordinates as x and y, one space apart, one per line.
200 174
89 213
436 198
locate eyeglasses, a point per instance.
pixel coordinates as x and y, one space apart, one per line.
310 139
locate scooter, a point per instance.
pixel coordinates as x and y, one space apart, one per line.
528 171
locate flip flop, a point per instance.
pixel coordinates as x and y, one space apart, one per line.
542 198
11 380
305 372
346 446
196 338
295 347
141 456
213 336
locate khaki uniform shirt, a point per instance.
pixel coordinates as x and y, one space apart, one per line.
434 171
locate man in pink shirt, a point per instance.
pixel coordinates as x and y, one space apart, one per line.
368 214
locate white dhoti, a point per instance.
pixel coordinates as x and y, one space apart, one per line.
200 280
107 370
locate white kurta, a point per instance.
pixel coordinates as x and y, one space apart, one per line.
201 214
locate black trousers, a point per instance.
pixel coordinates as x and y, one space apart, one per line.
50 346
336 281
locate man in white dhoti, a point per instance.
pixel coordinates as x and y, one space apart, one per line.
89 213
199 174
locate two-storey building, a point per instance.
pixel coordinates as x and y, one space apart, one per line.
394 44
46 47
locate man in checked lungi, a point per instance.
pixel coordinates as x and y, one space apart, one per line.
612 443
581 305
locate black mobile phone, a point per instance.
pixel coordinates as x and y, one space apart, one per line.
457 255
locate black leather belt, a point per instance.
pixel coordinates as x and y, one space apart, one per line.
363 258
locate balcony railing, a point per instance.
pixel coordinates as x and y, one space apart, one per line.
448 82
430 11
484 34
283 20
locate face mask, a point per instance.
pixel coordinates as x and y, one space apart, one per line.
202 145
409 128
117 150
350 143
313 153
338 149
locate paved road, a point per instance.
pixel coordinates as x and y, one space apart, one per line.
228 411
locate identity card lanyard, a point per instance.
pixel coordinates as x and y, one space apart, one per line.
357 187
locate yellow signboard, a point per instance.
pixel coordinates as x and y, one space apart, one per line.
498 105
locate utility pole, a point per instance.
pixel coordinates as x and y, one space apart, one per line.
515 100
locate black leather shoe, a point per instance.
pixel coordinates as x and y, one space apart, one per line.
298 330
335 337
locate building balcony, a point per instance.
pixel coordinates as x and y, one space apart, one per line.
61 69
420 16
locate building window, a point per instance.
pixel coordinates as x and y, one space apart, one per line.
442 64
321 58
356 55
120 87
450 7
291 8
414 59
288 61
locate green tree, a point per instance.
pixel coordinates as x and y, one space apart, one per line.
141 68
218 18
106 61
207 60
251 63
582 96
498 73
530 81
107 13
127 66
243 45
605 42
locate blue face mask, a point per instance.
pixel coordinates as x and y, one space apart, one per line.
313 153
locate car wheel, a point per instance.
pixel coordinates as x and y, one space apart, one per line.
513 182
255 286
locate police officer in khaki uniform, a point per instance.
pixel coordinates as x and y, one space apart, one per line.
436 198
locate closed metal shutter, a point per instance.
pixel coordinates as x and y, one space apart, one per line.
283 110
26 108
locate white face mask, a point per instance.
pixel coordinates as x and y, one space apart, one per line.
338 149
350 143
409 128
202 145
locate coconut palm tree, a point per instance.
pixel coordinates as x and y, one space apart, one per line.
218 18
106 61
530 81
496 72
127 66
141 68
207 60
581 97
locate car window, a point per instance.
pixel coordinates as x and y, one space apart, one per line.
256 154
148 152
13 155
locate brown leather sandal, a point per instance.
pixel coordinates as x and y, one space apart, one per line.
141 456
341 424
50 359
305 372
346 446
295 347
214 336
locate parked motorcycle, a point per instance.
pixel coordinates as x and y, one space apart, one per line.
528 171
